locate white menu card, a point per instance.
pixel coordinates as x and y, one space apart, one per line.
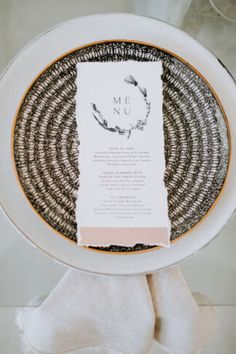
122 199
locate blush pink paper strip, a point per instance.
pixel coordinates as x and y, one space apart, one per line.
125 236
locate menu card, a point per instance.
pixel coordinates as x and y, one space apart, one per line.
122 199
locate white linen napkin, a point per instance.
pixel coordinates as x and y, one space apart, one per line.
182 327
116 314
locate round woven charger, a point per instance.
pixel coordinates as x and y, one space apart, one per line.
46 139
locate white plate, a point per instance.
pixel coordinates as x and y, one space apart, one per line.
34 58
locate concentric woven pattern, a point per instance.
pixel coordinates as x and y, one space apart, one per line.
46 145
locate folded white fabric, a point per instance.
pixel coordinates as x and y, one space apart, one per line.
116 314
182 327
110 313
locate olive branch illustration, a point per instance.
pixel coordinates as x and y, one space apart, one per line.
124 131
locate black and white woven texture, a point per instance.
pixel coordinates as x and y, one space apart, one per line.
46 139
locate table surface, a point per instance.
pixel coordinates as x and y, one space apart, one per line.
26 273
